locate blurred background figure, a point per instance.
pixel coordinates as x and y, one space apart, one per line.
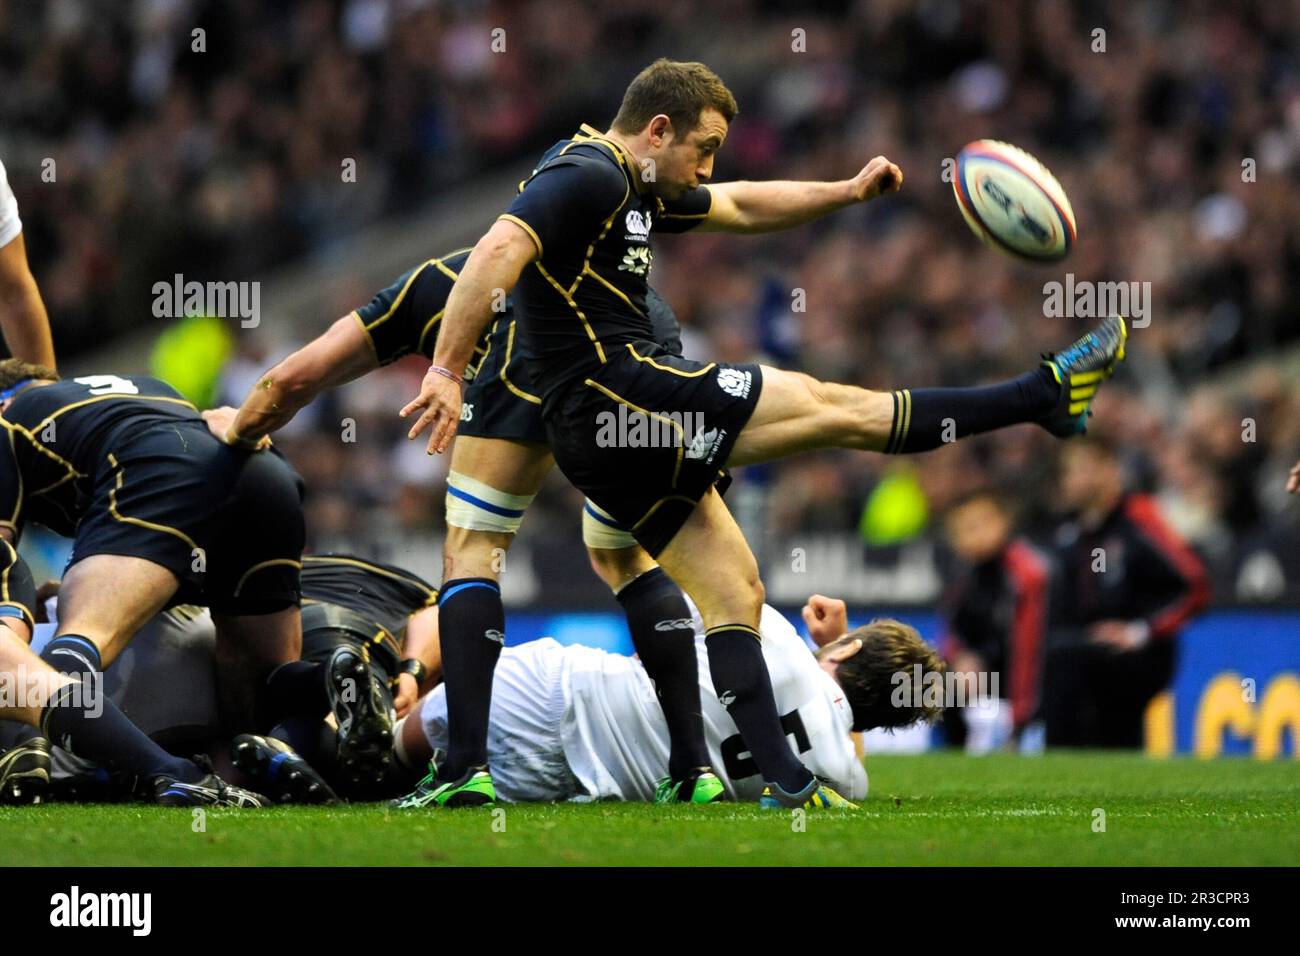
995 620
1127 585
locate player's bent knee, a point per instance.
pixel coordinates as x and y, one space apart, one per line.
473 505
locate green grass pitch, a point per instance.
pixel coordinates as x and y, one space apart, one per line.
940 809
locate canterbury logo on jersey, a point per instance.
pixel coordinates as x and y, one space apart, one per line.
727 698
735 382
675 624
705 445
492 634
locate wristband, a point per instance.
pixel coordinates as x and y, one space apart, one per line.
415 668
447 373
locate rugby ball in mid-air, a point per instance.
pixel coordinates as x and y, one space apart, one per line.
1011 201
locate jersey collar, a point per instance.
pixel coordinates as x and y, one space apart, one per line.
589 134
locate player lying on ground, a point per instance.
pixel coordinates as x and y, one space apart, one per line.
74 710
497 468
369 633
577 722
160 513
574 249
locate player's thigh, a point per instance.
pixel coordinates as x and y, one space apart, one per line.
491 483
619 566
798 413
106 598
710 560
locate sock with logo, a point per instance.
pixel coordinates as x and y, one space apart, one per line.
472 624
925 418
744 687
72 654
664 639
85 722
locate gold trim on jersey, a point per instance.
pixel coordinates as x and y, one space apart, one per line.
397 300
655 507
668 368
591 333
139 522
588 270
261 565
532 234
366 565
104 398
365 333
608 393
428 327
510 344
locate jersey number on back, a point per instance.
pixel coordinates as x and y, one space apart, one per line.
108 385
739 767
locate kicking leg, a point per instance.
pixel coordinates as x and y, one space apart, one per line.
797 413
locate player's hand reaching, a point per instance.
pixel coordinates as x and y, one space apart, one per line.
440 400
221 422
878 177
827 619
1293 479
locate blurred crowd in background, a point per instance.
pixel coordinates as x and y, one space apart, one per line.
1175 131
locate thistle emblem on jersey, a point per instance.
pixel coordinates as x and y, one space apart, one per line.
638 224
636 261
735 382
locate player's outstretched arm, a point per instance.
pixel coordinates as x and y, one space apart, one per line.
338 356
22 313
778 204
488 275
1293 479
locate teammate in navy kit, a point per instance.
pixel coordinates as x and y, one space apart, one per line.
574 246
160 513
497 468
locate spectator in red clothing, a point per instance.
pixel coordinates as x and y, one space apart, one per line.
1127 586
995 613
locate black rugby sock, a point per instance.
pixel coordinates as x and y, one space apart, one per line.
744 687
298 688
925 418
81 719
662 635
471 623
72 654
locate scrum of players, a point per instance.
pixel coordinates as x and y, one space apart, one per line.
257 675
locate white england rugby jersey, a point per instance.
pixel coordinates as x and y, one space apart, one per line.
573 720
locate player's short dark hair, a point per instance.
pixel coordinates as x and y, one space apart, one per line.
13 371
681 91
889 648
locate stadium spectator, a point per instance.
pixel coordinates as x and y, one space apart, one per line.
1127 585
995 618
